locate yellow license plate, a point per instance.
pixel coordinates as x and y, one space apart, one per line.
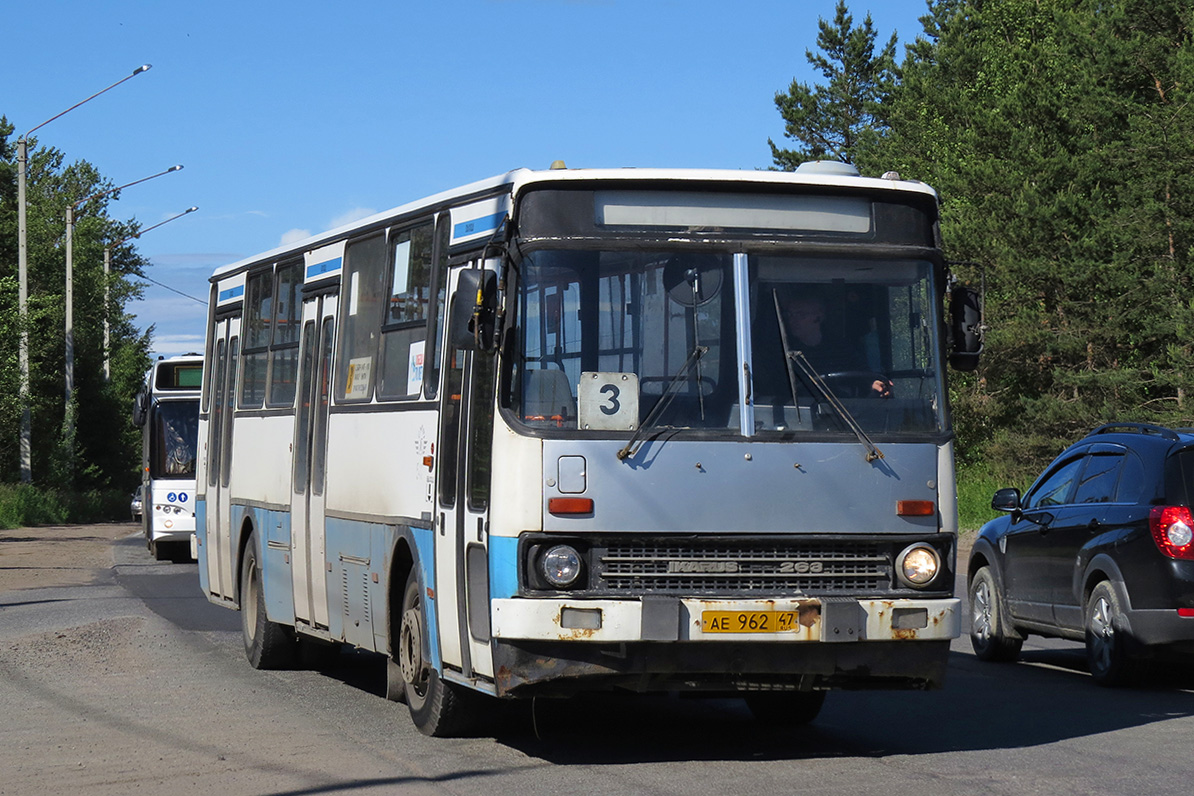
750 621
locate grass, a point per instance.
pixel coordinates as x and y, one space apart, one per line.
24 505
975 488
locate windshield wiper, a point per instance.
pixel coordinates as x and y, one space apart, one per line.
664 401
814 378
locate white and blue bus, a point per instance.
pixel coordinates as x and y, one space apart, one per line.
574 430
167 410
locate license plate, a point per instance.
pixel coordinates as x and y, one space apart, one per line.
750 621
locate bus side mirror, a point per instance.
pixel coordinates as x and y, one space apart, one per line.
140 408
473 317
966 328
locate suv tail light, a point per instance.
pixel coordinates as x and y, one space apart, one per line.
1173 530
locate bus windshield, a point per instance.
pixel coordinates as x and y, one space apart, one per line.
658 327
173 434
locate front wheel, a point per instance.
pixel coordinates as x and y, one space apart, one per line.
437 708
268 645
1106 642
988 636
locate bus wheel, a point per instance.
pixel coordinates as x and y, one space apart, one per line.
268 645
785 708
160 550
437 708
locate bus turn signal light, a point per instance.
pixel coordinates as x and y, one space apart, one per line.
570 505
915 508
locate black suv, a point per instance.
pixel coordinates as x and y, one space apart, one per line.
1100 549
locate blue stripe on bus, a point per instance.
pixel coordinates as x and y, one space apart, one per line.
503 567
476 226
327 266
232 292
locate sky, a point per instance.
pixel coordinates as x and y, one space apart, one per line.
292 118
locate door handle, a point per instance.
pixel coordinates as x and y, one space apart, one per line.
1094 524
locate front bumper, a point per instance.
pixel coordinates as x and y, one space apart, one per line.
828 620
657 644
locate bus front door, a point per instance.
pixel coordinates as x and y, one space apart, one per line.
463 457
308 540
221 563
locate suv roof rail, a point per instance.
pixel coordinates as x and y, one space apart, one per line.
1136 428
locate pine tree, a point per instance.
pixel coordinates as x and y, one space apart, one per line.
842 118
1059 138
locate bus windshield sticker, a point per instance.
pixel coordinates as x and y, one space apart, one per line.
608 401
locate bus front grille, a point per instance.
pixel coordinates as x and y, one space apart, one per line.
728 568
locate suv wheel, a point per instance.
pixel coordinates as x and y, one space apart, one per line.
988 635
1106 653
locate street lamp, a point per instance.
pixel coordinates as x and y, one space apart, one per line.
23 280
70 293
108 270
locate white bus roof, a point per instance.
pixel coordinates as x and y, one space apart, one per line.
832 176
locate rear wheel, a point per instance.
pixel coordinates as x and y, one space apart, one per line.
268 645
785 708
988 635
1106 642
437 708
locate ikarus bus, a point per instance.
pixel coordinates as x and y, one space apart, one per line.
576 430
167 411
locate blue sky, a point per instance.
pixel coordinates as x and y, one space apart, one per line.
293 117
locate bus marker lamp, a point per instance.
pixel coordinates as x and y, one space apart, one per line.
580 618
561 566
570 505
915 508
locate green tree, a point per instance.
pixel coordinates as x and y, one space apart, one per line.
1060 137
107 450
843 118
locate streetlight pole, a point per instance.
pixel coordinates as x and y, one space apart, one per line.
23 279
70 294
107 272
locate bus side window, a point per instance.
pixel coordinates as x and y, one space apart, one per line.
284 345
404 335
363 298
259 294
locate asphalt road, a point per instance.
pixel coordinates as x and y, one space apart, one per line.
136 683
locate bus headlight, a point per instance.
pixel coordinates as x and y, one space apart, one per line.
560 566
918 565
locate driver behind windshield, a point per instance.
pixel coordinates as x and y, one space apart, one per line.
838 355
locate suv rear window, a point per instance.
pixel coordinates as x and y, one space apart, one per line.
1179 478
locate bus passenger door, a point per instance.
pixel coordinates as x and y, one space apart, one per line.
463 456
308 553
220 557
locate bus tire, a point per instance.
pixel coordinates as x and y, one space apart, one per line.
160 550
395 684
785 708
437 708
268 645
